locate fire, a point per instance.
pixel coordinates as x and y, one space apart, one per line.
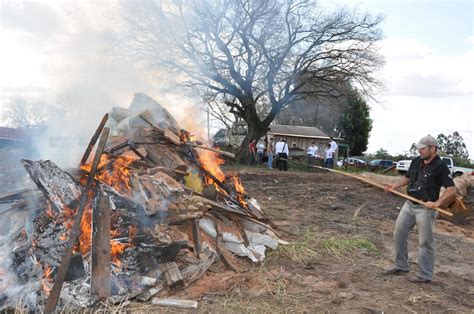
114 173
85 239
45 282
237 184
239 188
116 249
211 162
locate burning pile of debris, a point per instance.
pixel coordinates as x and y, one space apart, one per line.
143 216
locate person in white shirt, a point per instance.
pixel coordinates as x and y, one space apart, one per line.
260 150
333 144
329 157
281 150
312 153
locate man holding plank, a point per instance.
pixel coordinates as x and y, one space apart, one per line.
427 173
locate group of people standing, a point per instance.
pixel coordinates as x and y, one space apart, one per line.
329 152
281 151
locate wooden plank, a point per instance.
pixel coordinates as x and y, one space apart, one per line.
172 275
66 259
94 139
196 237
408 197
172 137
100 274
151 123
221 152
10 197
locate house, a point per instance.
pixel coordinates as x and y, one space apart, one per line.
10 137
299 137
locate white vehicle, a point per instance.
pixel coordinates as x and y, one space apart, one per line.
457 171
356 162
404 165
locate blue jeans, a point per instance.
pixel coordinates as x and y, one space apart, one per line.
259 157
328 163
270 160
424 218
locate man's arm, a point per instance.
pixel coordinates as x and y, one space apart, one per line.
402 182
445 199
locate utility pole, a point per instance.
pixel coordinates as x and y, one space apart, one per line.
208 127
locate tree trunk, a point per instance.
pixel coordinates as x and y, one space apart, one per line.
256 128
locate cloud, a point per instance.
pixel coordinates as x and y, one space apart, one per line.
30 16
427 93
415 69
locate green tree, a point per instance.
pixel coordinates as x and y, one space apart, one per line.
250 55
355 124
453 145
413 152
381 154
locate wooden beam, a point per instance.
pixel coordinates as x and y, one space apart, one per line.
196 237
408 197
101 271
66 259
172 275
94 139
221 152
172 137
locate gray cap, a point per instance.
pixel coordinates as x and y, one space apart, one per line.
427 141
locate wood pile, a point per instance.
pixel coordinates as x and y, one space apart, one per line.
161 206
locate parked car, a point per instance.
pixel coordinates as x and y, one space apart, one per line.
404 165
351 161
456 171
380 164
355 162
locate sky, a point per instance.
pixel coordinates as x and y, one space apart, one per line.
65 52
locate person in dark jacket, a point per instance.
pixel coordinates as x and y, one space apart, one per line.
426 175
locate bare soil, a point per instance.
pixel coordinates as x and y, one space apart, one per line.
317 213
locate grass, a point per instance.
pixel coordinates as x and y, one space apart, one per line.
341 246
299 251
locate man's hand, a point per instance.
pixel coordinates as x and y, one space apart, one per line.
431 205
389 187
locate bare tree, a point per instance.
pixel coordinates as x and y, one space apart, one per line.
23 114
252 55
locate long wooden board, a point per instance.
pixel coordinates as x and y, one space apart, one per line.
408 197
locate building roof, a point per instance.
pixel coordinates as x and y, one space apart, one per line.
298 131
12 134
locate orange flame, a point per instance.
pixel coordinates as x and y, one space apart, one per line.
211 162
85 239
114 173
237 184
239 188
45 282
117 175
116 249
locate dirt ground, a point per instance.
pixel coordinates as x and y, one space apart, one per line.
340 234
